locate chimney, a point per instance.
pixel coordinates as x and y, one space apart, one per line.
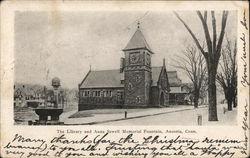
122 62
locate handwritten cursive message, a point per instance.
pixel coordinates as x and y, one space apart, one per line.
245 127
129 145
245 83
244 20
244 78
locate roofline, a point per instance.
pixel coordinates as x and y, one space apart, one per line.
121 73
105 70
139 48
84 79
118 87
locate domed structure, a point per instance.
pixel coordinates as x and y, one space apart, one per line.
56 82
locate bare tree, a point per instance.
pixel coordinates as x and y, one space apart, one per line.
193 64
212 55
227 77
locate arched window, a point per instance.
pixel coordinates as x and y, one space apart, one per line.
138 99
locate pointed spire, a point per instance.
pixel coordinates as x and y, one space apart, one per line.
164 62
137 41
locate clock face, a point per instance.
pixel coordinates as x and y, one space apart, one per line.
134 58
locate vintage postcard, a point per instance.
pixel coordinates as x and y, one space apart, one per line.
124 79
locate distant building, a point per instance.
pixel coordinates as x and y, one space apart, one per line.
135 84
25 93
30 95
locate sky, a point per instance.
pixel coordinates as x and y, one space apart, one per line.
65 44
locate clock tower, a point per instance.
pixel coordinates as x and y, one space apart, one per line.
137 71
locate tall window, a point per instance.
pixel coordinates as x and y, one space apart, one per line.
105 93
86 93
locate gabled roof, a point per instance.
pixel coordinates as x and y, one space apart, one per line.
28 89
103 79
137 42
172 76
112 78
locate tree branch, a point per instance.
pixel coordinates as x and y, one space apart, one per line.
206 31
192 34
223 26
214 31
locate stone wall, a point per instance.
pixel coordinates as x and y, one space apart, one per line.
135 88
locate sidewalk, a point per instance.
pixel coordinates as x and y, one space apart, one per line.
104 118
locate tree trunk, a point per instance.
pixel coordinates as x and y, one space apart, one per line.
212 108
235 101
229 98
235 98
196 99
196 102
229 104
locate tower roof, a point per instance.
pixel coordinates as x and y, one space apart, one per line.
137 42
